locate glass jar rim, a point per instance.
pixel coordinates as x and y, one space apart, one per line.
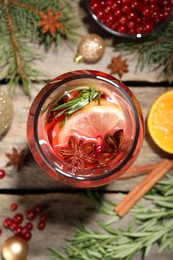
94 75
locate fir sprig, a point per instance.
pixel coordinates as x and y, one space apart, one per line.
150 225
154 52
19 26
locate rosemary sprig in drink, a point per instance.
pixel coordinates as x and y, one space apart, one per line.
83 96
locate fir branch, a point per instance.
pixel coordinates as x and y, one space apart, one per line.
150 225
19 26
154 52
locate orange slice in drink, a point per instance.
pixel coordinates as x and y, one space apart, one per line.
160 121
91 123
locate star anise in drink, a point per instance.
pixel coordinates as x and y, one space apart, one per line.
112 145
115 141
78 154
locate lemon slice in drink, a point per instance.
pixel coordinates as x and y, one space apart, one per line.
92 123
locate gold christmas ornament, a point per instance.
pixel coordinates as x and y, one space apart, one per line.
91 49
6 112
15 248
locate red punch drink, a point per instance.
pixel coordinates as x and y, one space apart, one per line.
85 128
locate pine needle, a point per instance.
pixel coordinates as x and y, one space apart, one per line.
154 52
150 225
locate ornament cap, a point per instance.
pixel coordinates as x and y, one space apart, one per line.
78 58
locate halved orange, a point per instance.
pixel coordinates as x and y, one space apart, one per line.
160 121
91 122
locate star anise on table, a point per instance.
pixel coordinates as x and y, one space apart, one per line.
118 66
51 22
78 153
16 159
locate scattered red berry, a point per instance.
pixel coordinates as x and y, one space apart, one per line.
27 236
25 231
18 218
18 231
2 174
41 225
31 214
13 206
14 226
132 16
29 225
8 222
39 208
43 218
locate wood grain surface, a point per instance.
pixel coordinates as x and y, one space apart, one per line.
31 186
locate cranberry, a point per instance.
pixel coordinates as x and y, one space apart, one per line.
25 230
122 29
18 218
27 236
0 231
29 225
148 27
127 2
101 15
39 208
165 3
154 1
115 7
18 231
136 5
41 225
2 174
166 14
14 226
139 28
126 9
13 206
31 214
132 16
118 13
131 25
94 5
8 222
43 217
110 19
123 20
146 12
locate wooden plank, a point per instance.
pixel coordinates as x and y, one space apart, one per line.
64 211
56 61
31 176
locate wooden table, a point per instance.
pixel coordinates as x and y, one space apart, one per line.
31 186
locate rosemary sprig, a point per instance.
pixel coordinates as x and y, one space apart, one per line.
85 95
150 225
154 52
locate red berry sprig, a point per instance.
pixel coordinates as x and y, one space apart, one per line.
132 16
18 227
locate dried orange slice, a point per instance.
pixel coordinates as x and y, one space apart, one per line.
160 121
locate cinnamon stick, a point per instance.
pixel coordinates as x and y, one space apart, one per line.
137 171
143 187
